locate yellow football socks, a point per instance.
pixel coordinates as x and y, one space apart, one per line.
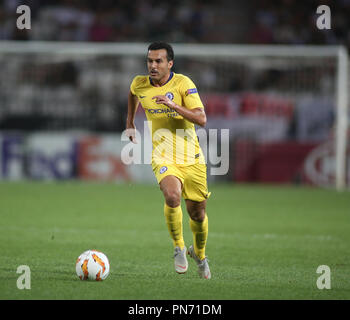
173 217
200 235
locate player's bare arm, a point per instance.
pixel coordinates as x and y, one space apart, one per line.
196 115
130 125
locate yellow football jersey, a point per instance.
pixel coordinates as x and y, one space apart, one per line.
174 138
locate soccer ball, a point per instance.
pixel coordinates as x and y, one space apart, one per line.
92 265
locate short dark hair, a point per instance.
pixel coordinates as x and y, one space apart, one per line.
163 45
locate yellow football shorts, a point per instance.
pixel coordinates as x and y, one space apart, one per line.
192 177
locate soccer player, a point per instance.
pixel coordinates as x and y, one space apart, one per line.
172 106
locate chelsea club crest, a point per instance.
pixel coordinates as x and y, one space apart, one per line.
163 169
170 95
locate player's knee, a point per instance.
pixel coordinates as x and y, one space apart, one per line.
172 198
197 215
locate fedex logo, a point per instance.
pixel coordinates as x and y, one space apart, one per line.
37 157
11 157
60 157
51 157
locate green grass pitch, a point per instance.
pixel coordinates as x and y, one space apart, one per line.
265 242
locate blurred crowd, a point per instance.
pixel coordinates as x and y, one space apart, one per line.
106 20
257 21
294 22
52 93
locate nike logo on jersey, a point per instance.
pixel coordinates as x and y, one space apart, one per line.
141 97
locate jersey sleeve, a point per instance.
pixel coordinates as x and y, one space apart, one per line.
190 94
133 85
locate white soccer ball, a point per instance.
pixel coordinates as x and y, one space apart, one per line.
92 265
